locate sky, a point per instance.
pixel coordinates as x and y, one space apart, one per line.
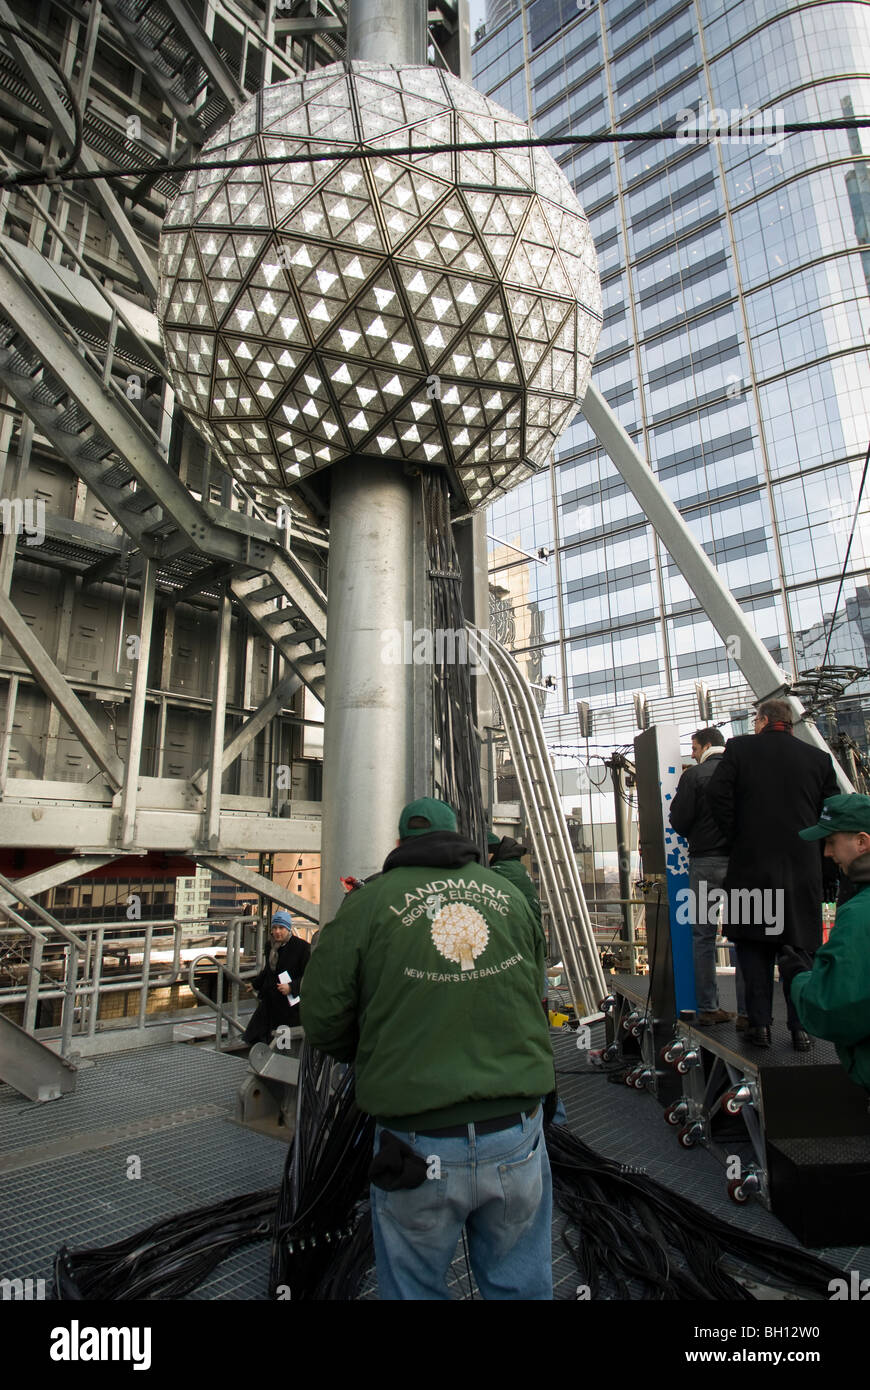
477 10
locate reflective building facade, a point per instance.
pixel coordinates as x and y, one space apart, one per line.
735 277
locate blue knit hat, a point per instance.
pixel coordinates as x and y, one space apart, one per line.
282 918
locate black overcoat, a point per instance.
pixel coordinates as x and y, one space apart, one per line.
273 1009
767 787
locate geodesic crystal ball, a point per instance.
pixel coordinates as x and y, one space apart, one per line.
439 309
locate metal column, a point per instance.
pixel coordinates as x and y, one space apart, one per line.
368 734
218 723
136 717
387 31
369 722
623 841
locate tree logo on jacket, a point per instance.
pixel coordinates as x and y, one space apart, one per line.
460 934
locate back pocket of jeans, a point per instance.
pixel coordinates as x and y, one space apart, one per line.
522 1184
416 1208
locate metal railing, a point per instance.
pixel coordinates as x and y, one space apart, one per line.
560 877
83 983
224 970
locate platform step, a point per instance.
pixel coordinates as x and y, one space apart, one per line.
30 1067
818 1188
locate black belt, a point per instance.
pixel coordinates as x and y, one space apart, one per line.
480 1126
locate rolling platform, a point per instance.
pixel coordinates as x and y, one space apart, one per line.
789 1127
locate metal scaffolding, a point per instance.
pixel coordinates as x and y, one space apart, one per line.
163 627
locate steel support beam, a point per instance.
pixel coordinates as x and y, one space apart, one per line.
44 84
194 33
309 24
758 667
218 723
59 691
280 697
8 726
94 830
55 876
136 717
15 891
262 885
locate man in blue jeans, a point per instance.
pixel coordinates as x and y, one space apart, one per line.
708 865
429 980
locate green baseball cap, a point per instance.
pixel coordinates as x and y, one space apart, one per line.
433 815
849 813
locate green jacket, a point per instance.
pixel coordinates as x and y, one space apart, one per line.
428 978
833 999
506 861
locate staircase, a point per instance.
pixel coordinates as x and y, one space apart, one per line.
57 380
560 877
182 62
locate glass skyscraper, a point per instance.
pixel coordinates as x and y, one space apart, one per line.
734 350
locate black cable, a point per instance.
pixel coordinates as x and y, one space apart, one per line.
65 170
409 151
630 1221
455 735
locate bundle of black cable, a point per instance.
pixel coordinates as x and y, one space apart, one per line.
167 1259
320 1228
632 1228
453 704
321 1240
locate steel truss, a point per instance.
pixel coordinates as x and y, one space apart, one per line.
67 344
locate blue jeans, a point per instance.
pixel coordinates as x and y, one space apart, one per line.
499 1187
711 869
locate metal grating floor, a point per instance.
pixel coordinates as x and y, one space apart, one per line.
63 1165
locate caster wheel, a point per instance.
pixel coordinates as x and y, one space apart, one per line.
675 1114
686 1138
681 1067
733 1107
737 1192
629 1078
666 1055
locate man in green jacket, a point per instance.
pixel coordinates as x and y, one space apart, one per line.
833 999
428 980
505 857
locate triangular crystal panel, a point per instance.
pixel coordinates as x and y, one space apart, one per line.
336 215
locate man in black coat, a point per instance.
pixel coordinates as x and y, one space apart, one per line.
708 864
288 954
767 787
